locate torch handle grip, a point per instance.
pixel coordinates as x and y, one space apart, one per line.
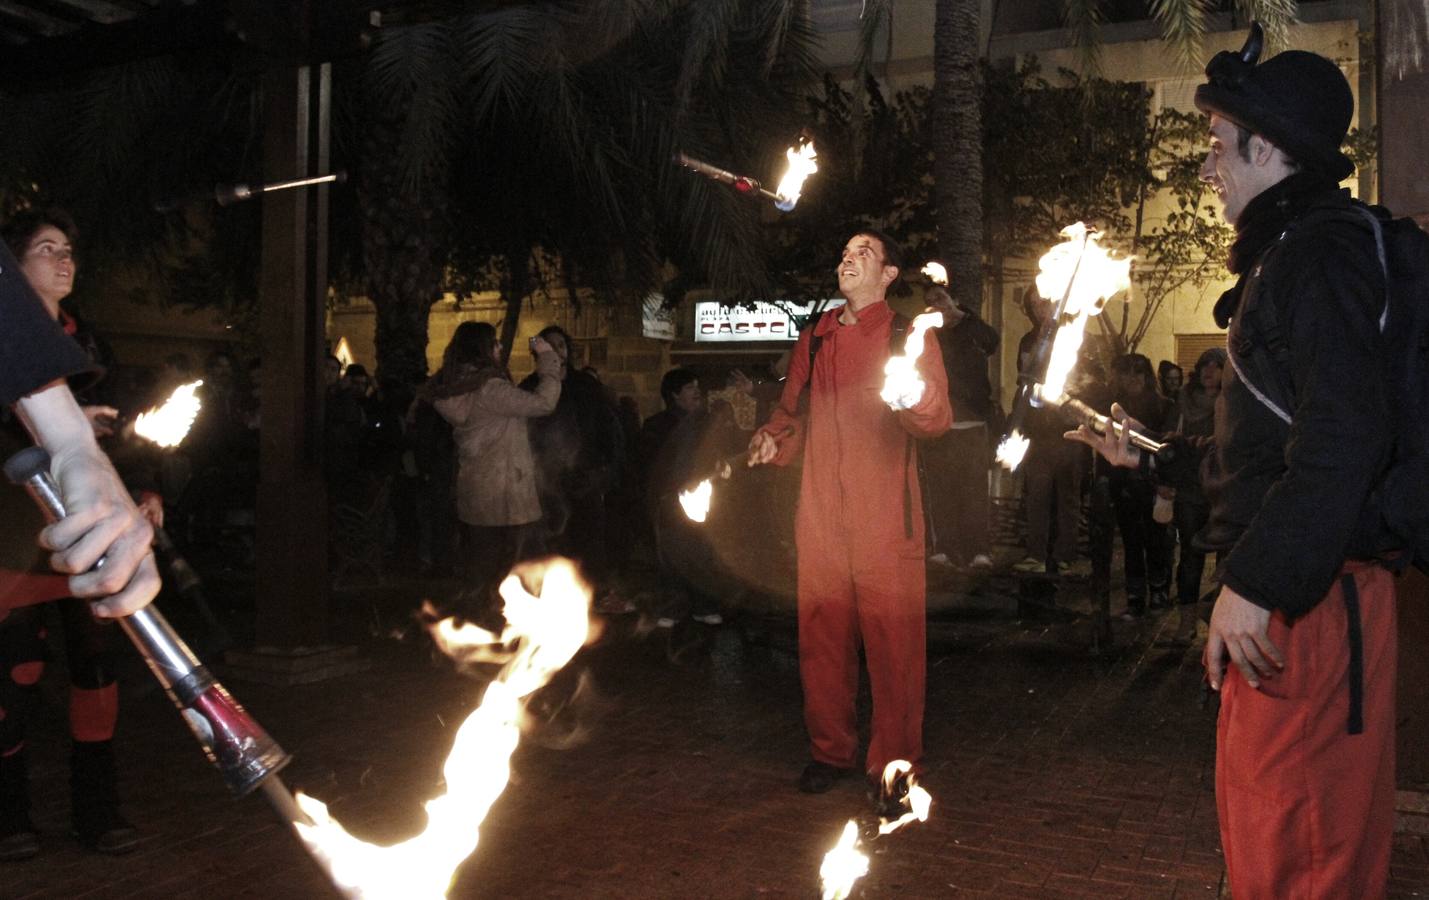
238 746
1083 414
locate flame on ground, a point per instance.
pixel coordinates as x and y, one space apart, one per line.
541 635
902 386
696 503
801 166
843 865
936 272
169 424
1012 449
918 801
1094 276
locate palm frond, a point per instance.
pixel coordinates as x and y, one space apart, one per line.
1083 19
1183 24
1275 16
412 68
876 19
708 26
501 54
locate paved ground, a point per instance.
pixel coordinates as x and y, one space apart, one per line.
1055 773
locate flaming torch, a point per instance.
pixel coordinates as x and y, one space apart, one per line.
902 385
695 501
1086 276
168 425
236 744
541 635
801 164
901 801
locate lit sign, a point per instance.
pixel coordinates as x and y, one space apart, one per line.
761 322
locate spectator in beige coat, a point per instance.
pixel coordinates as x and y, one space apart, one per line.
496 474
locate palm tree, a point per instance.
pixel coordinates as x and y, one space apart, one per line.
956 123
550 129
480 144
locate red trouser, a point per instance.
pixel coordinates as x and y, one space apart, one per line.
847 591
1306 808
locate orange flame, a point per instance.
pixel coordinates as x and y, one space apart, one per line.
1093 276
541 635
902 386
1011 450
801 166
843 865
696 503
169 424
936 273
918 800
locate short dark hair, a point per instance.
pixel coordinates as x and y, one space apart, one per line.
1135 364
675 381
22 227
1242 145
892 250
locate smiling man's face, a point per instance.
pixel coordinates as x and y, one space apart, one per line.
863 270
1235 179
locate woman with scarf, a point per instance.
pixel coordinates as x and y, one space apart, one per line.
497 503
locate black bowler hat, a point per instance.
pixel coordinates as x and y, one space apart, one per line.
1298 101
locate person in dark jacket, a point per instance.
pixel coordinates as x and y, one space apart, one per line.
46 242
1144 541
1305 738
578 450
957 462
102 521
1195 423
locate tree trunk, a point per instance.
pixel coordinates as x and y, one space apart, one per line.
404 240
957 133
516 285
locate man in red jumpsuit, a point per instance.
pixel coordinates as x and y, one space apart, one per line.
859 528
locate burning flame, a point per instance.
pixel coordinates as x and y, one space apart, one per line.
696 503
1012 449
843 865
902 388
936 273
918 800
1088 276
801 166
169 424
541 635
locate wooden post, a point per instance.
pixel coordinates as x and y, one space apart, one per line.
1403 116
292 577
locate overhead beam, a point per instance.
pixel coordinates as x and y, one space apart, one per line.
164 31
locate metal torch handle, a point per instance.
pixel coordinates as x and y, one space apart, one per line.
1099 423
169 658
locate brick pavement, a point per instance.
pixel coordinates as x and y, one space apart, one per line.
1054 774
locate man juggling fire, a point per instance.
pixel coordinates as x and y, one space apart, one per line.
859 527
1303 436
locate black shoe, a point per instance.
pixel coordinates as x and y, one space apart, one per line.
106 831
19 842
818 777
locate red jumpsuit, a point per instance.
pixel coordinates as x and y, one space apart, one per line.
859 532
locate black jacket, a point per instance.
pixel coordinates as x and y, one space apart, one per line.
33 349
966 347
1286 496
